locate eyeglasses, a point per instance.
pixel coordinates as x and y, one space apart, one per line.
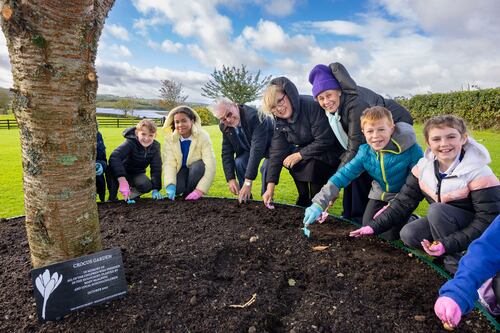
225 117
279 103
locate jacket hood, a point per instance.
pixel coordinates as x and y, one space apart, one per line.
476 156
402 139
167 126
292 93
129 133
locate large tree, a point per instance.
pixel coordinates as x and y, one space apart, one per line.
236 84
52 49
171 94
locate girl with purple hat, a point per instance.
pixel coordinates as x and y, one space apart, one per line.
344 102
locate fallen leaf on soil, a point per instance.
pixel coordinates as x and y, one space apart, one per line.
292 282
320 247
419 318
250 302
6 12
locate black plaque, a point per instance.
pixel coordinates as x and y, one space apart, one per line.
77 283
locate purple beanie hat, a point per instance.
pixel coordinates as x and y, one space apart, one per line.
322 79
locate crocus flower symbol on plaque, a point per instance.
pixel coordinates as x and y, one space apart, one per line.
46 284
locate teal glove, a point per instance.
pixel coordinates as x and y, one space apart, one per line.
170 191
312 213
157 195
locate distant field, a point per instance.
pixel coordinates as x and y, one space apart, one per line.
11 192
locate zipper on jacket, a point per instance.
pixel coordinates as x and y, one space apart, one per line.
383 172
439 180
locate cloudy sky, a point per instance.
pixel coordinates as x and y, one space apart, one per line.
395 47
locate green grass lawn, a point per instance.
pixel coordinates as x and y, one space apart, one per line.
11 190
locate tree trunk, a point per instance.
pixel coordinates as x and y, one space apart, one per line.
52 48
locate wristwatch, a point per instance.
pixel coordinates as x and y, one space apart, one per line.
248 183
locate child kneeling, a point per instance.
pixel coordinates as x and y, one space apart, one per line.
388 156
463 192
189 158
129 161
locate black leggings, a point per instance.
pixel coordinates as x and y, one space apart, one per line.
307 191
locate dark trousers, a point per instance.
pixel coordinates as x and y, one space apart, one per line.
241 163
496 287
139 184
372 207
356 197
441 220
188 177
100 185
307 191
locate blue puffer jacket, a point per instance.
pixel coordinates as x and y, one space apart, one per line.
481 262
388 167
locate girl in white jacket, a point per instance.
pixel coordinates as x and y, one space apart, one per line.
188 156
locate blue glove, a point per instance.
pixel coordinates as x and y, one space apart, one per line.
157 195
130 201
312 213
98 169
170 191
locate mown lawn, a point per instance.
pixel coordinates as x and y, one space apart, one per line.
11 191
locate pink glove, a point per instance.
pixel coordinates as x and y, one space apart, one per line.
364 231
448 311
195 195
435 249
380 211
322 217
124 187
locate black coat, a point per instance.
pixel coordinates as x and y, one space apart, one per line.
100 158
259 134
354 100
307 132
131 158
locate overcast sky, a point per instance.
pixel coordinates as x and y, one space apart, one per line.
395 47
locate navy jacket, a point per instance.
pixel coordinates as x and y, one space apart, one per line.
131 158
259 134
481 262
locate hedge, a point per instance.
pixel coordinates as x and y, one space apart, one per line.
479 108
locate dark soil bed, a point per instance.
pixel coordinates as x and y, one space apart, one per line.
186 262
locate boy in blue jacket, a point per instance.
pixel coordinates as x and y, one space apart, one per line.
388 156
480 264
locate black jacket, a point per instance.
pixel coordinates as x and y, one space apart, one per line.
353 101
131 158
307 132
258 132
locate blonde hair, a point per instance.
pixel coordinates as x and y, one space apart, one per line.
148 123
446 120
269 98
375 113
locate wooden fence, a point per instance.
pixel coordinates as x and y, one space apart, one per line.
103 122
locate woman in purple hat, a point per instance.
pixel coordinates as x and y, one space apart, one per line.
344 102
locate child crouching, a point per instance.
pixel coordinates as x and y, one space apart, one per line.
388 156
129 161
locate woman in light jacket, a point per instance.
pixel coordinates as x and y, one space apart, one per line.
188 156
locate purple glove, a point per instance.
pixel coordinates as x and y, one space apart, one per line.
435 249
124 187
381 210
195 195
448 311
364 231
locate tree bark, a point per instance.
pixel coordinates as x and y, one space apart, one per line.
52 48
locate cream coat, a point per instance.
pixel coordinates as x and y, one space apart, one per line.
200 149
